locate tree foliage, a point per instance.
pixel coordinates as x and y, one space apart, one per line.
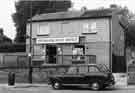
27 8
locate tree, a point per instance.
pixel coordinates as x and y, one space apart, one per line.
5 42
123 10
23 13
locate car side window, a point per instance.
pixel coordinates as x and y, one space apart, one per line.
83 69
93 69
72 70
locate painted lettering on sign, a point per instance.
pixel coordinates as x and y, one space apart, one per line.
58 40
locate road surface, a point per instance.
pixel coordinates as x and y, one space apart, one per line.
48 89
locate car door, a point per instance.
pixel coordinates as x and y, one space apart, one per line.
82 73
93 73
72 76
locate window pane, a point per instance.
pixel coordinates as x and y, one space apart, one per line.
43 29
83 69
90 27
78 52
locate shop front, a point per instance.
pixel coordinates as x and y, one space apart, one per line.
67 50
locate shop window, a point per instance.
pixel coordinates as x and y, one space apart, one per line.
78 52
39 52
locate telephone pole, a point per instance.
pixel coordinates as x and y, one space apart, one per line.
30 46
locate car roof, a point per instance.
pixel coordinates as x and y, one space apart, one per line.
84 65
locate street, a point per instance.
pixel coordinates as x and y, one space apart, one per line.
48 89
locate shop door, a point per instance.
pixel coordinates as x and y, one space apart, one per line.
51 51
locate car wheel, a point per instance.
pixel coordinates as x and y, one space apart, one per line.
56 85
95 86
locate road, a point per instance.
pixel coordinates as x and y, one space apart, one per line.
48 89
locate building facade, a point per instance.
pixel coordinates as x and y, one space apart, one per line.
82 37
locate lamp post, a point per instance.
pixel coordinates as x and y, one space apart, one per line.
30 47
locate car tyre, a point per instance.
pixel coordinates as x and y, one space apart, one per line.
56 85
96 86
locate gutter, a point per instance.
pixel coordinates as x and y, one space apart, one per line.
73 18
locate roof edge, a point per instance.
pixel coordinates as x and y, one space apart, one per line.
75 18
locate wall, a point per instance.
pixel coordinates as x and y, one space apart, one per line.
118 43
117 37
13 59
73 28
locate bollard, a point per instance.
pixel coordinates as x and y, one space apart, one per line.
11 78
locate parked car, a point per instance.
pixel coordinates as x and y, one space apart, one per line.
96 76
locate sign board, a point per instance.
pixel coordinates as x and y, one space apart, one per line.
58 40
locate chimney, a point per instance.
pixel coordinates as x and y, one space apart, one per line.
113 6
84 9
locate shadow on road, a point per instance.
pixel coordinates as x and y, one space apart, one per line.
29 86
85 88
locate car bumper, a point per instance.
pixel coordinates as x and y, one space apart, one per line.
110 83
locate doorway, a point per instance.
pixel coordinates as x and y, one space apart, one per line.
51 52
118 64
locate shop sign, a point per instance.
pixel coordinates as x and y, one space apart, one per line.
58 40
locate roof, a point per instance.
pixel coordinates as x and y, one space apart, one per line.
74 15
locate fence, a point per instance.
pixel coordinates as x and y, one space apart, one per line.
131 74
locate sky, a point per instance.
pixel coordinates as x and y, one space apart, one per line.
7 8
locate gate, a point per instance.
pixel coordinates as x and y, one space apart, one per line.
131 74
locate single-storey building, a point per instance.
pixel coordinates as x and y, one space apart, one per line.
80 37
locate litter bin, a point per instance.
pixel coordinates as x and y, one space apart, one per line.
11 78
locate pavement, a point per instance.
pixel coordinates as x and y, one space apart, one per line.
126 87
25 85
